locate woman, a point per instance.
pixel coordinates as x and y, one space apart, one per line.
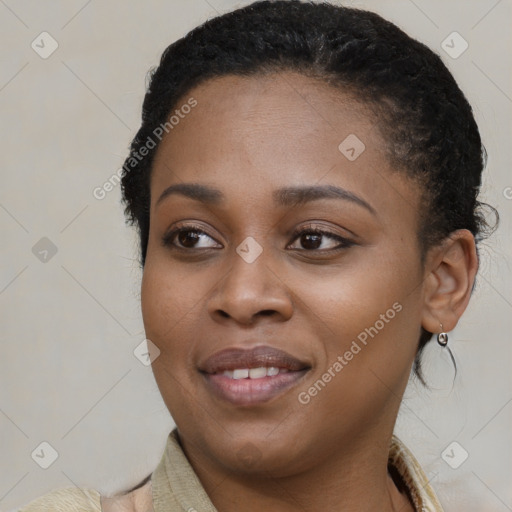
304 184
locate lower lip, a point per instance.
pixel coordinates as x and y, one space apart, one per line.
246 392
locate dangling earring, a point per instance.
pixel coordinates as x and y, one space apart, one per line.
442 337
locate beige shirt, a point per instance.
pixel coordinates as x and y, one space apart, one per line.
175 487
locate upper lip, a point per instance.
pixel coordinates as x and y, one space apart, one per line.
261 356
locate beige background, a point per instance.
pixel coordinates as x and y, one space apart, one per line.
69 325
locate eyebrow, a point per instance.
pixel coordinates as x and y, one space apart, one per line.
288 196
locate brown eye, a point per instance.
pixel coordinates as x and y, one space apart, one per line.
312 239
188 237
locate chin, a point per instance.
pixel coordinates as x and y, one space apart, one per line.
257 453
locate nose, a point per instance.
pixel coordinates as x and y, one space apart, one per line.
250 291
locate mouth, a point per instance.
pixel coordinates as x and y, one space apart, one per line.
251 377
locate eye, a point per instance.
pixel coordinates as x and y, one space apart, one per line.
314 239
188 237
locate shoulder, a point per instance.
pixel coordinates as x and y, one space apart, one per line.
66 499
138 500
74 499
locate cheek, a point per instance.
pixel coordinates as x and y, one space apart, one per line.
351 297
367 313
168 299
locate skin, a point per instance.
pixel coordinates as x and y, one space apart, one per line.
248 137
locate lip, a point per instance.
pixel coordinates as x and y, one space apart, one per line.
247 392
262 355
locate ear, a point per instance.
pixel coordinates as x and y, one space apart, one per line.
450 274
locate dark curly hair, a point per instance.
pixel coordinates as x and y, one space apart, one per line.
424 117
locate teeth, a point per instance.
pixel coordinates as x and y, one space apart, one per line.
253 373
241 374
257 373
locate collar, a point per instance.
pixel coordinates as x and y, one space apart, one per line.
414 478
176 487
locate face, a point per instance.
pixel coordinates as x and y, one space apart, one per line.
282 283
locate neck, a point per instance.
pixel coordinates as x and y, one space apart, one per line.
354 478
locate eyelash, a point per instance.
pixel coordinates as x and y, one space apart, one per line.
344 243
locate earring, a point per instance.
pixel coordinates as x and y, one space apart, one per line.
442 337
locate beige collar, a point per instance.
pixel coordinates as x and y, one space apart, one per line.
417 483
175 487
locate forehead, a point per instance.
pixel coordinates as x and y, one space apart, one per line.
280 112
260 133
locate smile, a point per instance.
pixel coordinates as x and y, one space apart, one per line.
251 377
253 373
